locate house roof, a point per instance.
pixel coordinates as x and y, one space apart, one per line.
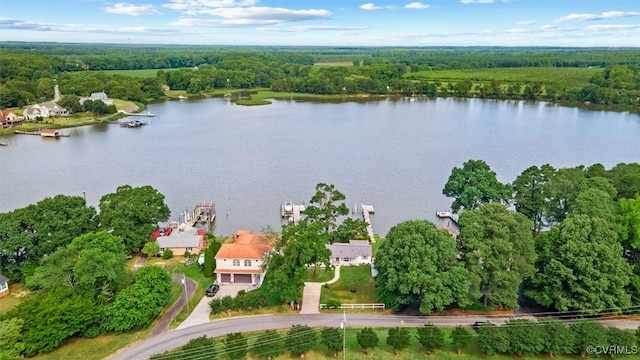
246 245
5 114
187 237
3 278
452 231
353 249
49 131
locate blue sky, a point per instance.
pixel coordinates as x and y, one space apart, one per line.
326 22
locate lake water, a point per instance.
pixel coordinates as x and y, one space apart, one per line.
393 154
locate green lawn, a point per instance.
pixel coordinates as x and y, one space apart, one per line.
16 296
318 274
142 73
356 286
91 349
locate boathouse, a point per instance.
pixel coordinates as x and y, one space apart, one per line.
50 133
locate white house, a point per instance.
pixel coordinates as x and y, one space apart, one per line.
102 96
241 261
356 252
44 110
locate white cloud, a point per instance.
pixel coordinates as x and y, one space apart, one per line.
527 22
476 1
262 15
315 28
132 10
607 15
186 5
12 24
417 5
548 28
611 27
370 6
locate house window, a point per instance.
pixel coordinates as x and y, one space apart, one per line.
189 248
236 262
347 259
3 285
247 263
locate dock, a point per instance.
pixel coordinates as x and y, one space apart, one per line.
202 213
291 212
447 215
43 133
367 210
144 114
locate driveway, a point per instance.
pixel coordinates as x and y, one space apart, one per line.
311 294
200 314
162 324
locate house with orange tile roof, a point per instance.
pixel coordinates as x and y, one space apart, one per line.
240 262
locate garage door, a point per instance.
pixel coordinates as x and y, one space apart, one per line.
242 278
225 278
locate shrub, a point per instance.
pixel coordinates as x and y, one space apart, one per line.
167 254
333 304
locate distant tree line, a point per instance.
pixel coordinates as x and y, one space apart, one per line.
29 69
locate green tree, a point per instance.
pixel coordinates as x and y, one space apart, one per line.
525 337
587 333
418 262
210 258
368 339
530 193
268 345
473 185
326 205
398 338
235 345
350 229
630 224
580 267
300 339
430 337
562 189
621 338
11 344
93 263
133 213
201 347
138 305
498 249
71 103
29 234
151 248
626 179
331 338
492 339
558 338
461 339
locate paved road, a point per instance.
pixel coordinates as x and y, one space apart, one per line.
171 340
162 325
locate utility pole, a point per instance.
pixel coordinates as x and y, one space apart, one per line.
343 325
186 296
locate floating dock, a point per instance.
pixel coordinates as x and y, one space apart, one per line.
291 212
367 210
447 215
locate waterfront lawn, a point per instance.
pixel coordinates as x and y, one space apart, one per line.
319 274
356 286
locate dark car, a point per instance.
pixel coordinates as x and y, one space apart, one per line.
212 290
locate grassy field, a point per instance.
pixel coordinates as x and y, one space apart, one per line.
356 286
16 296
334 63
142 73
91 349
546 76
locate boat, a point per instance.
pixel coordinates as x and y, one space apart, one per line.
182 97
3 143
133 123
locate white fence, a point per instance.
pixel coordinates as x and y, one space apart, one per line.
354 306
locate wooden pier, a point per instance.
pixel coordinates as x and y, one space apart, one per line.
291 212
43 133
203 213
447 215
367 210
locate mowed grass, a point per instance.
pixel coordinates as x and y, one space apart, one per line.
318 274
17 295
356 286
547 76
91 349
141 73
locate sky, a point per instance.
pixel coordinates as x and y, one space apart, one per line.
566 23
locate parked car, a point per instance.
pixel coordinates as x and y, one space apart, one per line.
201 259
212 290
